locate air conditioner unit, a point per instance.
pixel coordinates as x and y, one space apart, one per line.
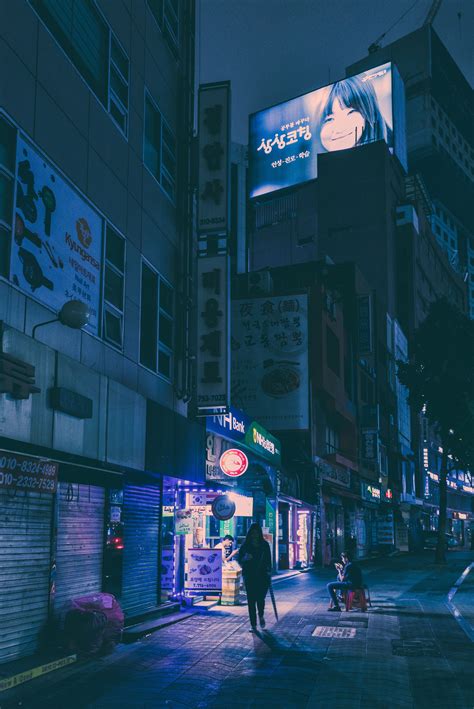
259 283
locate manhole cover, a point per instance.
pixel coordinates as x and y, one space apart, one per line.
416 647
333 631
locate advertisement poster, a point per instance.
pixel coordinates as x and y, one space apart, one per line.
184 523
167 567
22 472
285 140
57 247
270 360
204 571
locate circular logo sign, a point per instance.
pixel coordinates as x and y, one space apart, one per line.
233 462
223 508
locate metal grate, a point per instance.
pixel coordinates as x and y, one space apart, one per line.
333 631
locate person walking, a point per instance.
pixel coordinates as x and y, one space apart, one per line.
351 578
256 562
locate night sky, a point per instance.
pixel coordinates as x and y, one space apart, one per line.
272 50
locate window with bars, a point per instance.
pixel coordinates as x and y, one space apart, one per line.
84 35
332 440
156 323
114 288
159 148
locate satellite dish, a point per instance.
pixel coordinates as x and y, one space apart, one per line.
74 314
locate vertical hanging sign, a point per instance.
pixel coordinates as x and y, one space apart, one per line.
213 298
213 365
214 159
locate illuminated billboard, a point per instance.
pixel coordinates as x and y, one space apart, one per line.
285 140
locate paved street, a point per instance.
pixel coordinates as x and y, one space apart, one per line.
408 651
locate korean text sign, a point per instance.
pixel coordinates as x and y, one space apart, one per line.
57 246
214 158
21 472
285 140
204 570
213 368
270 360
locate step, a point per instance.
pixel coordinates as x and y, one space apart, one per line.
133 632
159 612
205 605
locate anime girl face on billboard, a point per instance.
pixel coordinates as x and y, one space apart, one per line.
285 140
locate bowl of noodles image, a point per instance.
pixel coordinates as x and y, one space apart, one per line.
281 379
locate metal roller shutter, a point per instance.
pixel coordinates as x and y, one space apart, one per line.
80 542
25 548
141 517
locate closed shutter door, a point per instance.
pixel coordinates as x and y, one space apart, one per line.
25 547
80 542
141 517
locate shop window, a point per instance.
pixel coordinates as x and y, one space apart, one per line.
156 323
333 355
7 181
114 290
159 152
83 34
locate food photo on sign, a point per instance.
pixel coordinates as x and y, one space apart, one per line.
204 570
57 246
184 522
270 360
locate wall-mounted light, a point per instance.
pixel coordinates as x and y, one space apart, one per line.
74 314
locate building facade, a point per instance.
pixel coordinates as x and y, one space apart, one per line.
96 126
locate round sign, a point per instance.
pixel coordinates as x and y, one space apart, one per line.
233 462
223 508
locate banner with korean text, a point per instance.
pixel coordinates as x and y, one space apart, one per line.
270 360
213 361
57 247
214 158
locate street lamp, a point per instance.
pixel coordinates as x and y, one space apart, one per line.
74 314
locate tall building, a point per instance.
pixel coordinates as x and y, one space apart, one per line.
95 134
325 187
440 146
440 138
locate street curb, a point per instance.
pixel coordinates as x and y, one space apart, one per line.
464 624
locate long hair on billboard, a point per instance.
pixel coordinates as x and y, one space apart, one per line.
351 115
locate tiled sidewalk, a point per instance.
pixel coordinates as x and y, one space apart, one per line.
408 651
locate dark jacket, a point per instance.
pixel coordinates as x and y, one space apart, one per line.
259 565
353 575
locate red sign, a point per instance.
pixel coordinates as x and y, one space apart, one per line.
26 473
233 462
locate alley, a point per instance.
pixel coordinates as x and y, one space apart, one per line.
407 651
